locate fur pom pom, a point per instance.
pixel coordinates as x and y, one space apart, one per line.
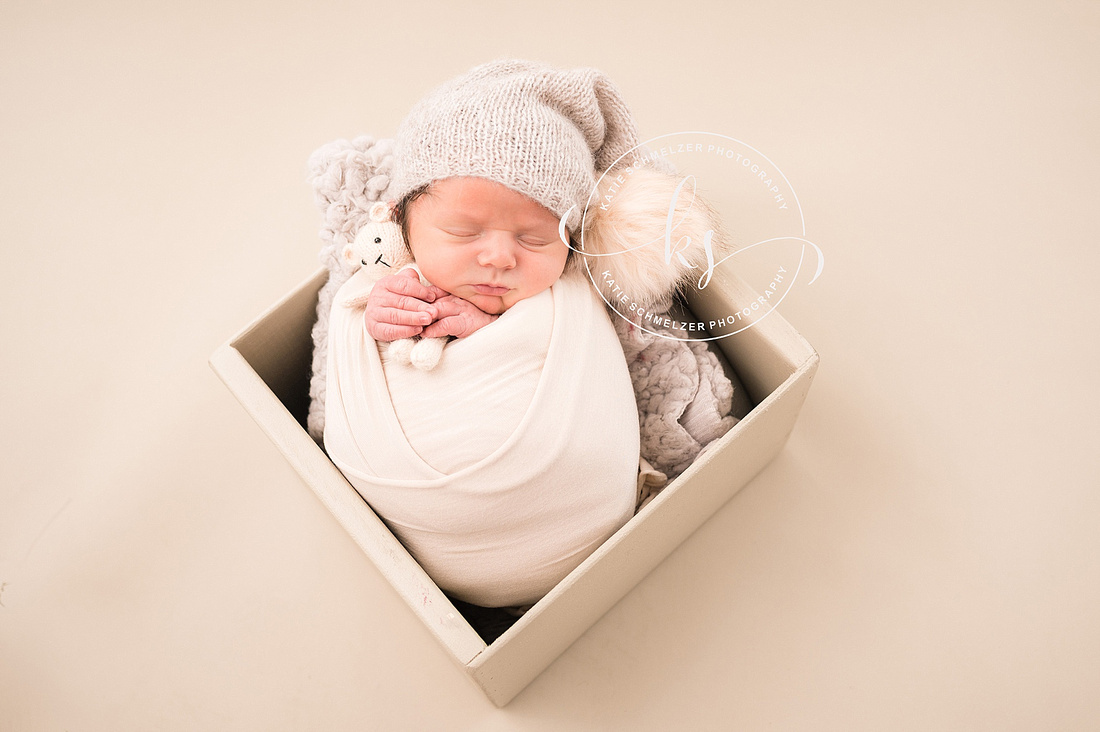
625 243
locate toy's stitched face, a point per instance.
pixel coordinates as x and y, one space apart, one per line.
378 247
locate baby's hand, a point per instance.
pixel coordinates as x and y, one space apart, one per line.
457 317
399 306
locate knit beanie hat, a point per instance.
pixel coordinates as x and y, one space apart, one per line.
543 132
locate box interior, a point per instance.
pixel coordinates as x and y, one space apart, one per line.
279 347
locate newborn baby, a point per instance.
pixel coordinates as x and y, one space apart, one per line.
511 461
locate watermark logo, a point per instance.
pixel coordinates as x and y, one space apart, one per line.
758 233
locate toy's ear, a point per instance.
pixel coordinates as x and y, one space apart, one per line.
380 212
349 254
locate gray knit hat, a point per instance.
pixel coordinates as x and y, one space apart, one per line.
544 132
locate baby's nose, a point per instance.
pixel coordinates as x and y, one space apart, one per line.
497 251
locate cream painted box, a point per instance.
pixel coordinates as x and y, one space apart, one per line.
267 367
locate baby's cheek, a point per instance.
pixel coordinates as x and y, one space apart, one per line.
438 275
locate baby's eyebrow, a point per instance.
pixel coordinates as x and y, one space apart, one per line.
457 217
537 227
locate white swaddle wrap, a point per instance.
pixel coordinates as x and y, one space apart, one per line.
510 462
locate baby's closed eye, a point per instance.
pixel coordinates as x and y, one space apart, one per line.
460 233
523 237
535 241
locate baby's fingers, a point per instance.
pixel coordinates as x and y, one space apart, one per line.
401 316
407 284
386 332
438 292
390 324
459 325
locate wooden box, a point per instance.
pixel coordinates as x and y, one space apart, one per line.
267 367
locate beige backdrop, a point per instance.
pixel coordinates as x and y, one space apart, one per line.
923 555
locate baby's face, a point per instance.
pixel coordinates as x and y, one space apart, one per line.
484 242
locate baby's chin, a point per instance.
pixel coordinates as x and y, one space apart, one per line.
492 304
